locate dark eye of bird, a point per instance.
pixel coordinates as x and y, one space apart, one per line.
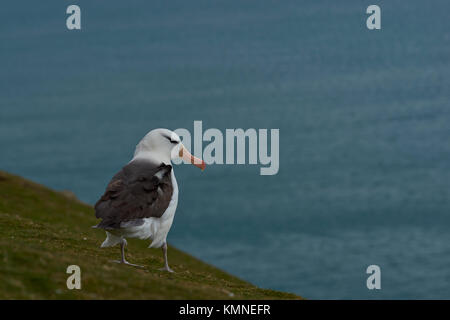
172 141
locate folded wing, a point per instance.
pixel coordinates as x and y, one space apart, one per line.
140 190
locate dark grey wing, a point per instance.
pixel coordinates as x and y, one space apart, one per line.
140 190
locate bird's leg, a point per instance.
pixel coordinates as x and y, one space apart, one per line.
123 244
166 263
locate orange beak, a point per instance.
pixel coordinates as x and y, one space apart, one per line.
185 155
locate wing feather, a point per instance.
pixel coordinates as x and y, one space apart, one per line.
140 190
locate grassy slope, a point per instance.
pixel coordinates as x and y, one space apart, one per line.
43 231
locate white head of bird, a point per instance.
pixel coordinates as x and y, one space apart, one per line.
163 145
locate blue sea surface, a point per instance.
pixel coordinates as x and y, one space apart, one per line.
364 119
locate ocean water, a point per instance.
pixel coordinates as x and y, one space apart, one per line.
364 119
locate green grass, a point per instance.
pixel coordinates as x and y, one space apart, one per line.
42 232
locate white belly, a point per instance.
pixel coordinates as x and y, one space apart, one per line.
155 229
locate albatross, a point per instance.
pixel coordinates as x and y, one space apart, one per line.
141 199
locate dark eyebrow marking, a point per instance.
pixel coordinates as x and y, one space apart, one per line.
169 138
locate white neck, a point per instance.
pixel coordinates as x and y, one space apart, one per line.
152 156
